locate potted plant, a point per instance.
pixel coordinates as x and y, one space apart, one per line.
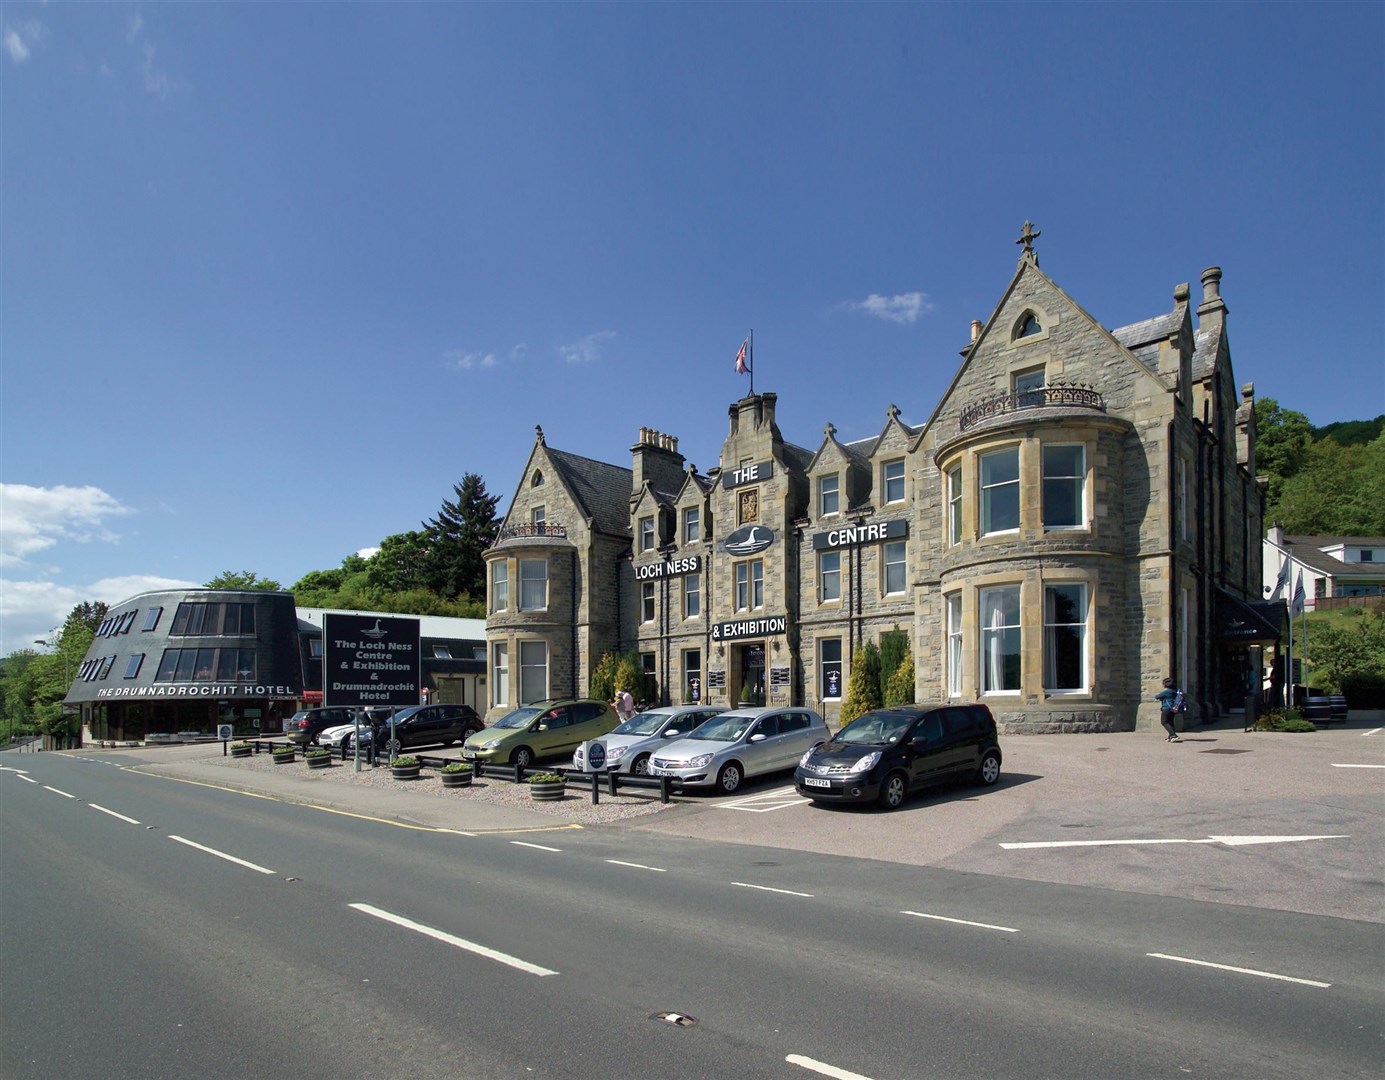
547 787
457 774
284 754
405 768
319 757
241 749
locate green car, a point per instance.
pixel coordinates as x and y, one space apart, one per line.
543 729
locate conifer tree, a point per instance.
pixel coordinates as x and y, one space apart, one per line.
458 538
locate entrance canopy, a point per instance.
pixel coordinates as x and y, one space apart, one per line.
1248 622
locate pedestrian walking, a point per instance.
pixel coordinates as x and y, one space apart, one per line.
1170 700
625 705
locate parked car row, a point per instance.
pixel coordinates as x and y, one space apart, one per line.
879 757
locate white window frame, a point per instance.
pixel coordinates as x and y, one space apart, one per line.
500 585
500 673
954 505
750 585
829 495
989 491
954 645
537 516
529 582
646 534
529 683
1052 628
1000 628
692 596
692 525
892 481
894 556
647 602
829 577
1077 480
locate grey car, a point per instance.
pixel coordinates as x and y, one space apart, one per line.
741 743
628 748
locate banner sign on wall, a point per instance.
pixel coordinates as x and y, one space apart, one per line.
369 660
852 535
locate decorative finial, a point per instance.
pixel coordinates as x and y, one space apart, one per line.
1028 235
830 430
538 435
892 412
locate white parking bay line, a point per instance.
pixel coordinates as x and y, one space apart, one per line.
766 888
637 866
1373 731
1239 970
1336 766
961 922
540 847
823 1068
221 855
57 791
763 803
450 939
113 814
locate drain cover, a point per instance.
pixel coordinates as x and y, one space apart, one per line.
674 1018
1227 750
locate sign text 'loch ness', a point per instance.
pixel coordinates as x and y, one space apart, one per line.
691 564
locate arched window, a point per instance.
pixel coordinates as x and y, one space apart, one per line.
537 479
1028 326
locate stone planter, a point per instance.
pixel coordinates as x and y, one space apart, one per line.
548 791
405 772
456 779
242 751
284 757
319 761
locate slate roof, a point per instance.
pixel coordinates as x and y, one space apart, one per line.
1308 550
1148 332
601 490
1208 342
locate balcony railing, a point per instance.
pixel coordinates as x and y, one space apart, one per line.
532 529
1070 395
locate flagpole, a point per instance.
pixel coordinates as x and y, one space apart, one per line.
750 357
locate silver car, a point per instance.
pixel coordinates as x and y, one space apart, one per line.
745 742
628 748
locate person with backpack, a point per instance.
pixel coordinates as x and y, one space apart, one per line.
1171 703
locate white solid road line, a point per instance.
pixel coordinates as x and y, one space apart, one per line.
221 855
766 888
540 847
637 866
449 939
961 922
1336 766
1373 731
57 791
823 1068
113 814
1239 970
1229 841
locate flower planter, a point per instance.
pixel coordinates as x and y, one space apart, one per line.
456 779
405 772
242 751
548 791
319 761
283 757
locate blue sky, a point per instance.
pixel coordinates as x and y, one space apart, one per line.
276 276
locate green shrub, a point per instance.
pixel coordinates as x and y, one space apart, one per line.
863 693
547 778
404 762
900 688
317 751
602 684
1290 720
456 767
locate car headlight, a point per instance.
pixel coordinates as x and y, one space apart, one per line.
866 763
699 762
488 745
616 754
803 761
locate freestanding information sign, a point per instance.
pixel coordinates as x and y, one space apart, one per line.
369 660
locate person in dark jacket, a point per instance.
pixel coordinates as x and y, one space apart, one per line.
1167 698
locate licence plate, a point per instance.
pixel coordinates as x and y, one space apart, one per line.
813 781
470 755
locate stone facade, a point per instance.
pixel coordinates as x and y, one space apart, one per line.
1062 533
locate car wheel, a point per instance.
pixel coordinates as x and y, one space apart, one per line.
893 790
729 779
640 766
523 757
394 746
988 772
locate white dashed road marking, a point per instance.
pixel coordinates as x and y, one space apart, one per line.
1239 970
823 1068
450 939
961 922
636 866
766 888
222 855
540 847
113 814
57 791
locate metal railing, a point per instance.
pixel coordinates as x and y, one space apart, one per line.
1071 395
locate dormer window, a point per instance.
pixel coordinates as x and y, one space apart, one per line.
1028 387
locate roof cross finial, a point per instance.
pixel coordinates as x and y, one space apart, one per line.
892 412
1028 235
830 429
538 435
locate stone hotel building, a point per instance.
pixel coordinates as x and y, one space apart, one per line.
1078 518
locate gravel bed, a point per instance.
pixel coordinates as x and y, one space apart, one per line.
575 806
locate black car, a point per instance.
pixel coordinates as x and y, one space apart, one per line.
304 726
884 754
426 725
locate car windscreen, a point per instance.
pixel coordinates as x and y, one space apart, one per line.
517 719
645 723
725 728
404 714
875 729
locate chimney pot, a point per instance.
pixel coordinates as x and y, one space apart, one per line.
975 329
1211 284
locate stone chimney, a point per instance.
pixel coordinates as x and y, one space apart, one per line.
1212 311
658 461
976 325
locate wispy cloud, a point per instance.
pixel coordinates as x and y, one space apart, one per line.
20 38
465 361
157 82
586 350
900 308
37 518
33 609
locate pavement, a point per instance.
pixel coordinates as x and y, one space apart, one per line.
1221 816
